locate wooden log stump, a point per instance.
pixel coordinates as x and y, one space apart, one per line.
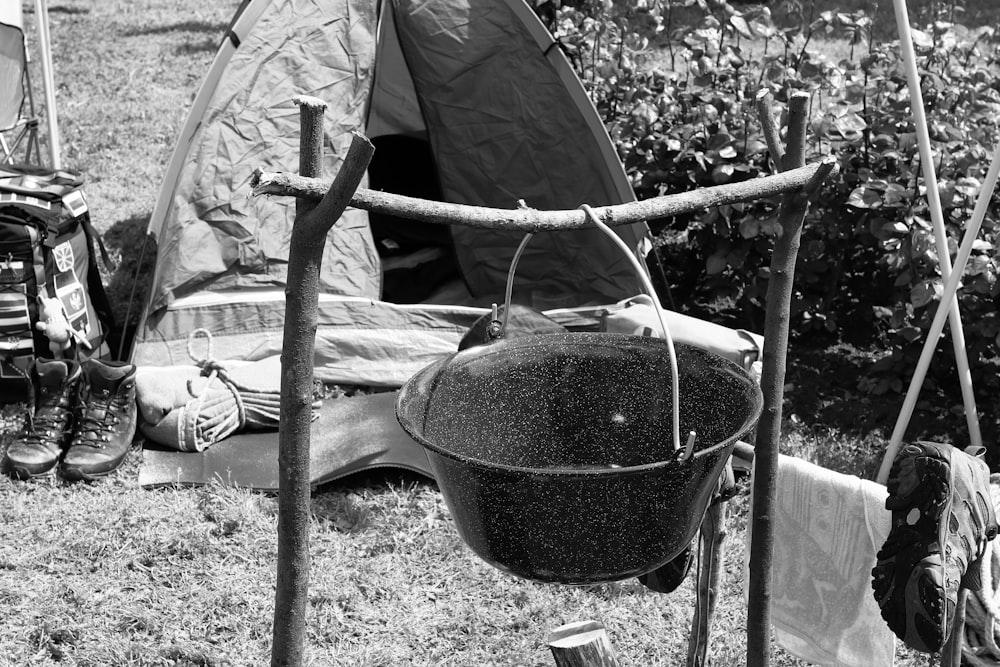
582 644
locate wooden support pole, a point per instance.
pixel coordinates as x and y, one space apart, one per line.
712 537
582 644
791 214
795 136
575 645
531 220
305 254
769 125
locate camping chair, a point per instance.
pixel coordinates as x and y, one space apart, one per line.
17 128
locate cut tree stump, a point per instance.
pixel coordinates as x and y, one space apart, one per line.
582 644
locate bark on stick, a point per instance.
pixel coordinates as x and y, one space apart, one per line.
305 254
531 220
791 214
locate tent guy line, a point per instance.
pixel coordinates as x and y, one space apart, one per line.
806 179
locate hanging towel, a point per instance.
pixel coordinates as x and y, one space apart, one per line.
827 530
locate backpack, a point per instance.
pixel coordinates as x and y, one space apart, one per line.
46 242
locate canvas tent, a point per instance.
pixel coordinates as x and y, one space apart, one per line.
479 83
467 101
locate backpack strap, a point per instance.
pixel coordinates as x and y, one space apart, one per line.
95 285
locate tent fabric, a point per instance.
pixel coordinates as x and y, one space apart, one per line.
358 341
502 131
394 108
504 116
215 236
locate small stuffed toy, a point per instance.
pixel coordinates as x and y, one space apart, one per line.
53 323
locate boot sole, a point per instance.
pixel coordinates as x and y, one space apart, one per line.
73 474
25 473
77 475
910 578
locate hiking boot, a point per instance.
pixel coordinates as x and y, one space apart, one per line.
942 520
36 449
105 421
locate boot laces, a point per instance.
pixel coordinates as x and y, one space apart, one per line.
97 419
50 420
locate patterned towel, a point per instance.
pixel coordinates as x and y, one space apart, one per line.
827 530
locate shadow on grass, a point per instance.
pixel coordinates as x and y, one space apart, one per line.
207 44
385 477
63 9
182 26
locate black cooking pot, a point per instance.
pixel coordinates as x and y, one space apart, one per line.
555 453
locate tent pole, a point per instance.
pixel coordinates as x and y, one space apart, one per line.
48 80
937 220
937 324
305 257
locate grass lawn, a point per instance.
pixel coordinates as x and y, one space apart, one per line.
113 574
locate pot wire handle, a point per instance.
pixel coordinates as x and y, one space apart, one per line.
510 288
688 450
648 285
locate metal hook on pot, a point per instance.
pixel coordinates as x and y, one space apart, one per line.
494 332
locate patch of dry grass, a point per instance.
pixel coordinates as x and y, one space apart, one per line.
113 574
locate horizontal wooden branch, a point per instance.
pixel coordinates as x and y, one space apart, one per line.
527 219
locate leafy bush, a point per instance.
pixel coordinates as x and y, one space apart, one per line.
868 270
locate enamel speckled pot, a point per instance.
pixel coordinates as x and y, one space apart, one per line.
555 455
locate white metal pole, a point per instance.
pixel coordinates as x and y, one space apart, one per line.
937 325
937 218
45 48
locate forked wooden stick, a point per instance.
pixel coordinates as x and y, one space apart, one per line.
712 536
791 215
305 254
583 646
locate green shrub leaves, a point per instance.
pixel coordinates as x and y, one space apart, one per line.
675 83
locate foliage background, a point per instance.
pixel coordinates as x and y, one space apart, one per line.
675 82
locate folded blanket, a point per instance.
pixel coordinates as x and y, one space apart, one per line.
189 408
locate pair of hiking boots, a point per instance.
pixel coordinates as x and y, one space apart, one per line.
942 520
83 420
